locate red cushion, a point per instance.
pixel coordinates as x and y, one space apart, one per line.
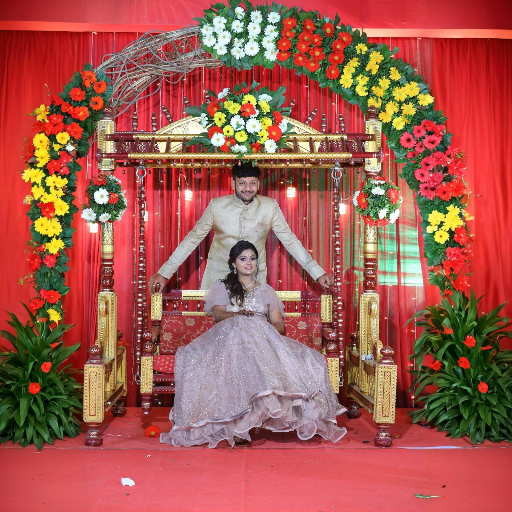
307 330
178 330
163 363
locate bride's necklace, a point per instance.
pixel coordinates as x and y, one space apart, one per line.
248 286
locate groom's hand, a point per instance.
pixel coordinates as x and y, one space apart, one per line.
325 281
156 283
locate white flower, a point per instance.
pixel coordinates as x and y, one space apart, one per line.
382 213
89 215
237 52
394 216
253 126
204 120
378 191
237 26
224 37
268 43
121 213
240 12
218 140
265 97
220 49
271 53
101 196
256 16
104 217
238 41
270 146
223 93
283 125
209 40
237 123
238 148
252 48
219 24
256 113
271 31
69 148
354 199
273 17
254 29
207 30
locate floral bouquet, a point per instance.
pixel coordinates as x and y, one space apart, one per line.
243 121
378 201
106 198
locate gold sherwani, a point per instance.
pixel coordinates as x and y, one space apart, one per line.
232 220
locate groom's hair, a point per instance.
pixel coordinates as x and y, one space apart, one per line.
245 170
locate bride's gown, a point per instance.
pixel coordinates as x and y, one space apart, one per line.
242 374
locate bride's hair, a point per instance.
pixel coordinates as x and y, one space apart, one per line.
233 285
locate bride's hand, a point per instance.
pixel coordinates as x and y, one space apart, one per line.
246 312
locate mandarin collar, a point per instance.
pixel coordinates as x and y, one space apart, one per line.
239 202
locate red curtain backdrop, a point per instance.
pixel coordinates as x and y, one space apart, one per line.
470 80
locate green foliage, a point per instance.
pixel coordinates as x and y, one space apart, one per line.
36 418
474 400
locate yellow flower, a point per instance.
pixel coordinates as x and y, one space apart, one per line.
408 109
263 136
41 225
265 122
54 227
453 210
378 91
61 207
376 102
37 191
399 94
361 90
467 215
412 89
232 107
241 136
55 245
34 175
28 200
391 107
249 98
40 140
56 181
425 99
385 117
361 48
265 107
376 57
353 62
62 137
346 81
394 74
435 217
362 79
54 194
441 236
398 123
41 112
372 67
228 130
219 118
43 160
431 229
56 147
349 71
54 315
384 83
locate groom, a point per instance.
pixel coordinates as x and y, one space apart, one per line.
242 216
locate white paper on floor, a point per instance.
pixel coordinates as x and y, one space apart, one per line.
127 481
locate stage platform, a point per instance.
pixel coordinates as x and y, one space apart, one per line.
279 472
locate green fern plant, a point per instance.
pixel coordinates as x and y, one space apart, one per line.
39 400
472 374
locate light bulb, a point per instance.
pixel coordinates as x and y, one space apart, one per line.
93 227
146 216
343 208
188 195
291 191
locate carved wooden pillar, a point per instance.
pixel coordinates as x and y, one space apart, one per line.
353 411
94 396
105 127
385 397
107 257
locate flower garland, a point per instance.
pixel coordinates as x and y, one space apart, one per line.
378 201
106 200
62 132
246 120
366 74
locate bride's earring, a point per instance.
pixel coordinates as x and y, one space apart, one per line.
234 271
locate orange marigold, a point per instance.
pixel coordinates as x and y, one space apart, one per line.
100 87
152 431
88 78
96 103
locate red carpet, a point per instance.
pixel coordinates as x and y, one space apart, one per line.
278 473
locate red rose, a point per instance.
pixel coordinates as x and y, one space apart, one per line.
51 296
461 284
152 431
464 363
483 387
50 260
469 341
444 192
461 236
35 305
46 367
77 94
34 262
47 209
394 195
362 201
113 198
34 388
75 130
436 365
53 166
274 132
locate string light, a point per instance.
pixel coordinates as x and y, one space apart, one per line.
146 216
343 208
93 227
291 191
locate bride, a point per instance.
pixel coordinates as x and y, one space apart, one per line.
244 373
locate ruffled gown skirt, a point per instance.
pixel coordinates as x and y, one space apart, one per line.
242 374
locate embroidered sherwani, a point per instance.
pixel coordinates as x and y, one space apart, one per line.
232 220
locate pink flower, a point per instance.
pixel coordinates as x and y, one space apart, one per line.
427 163
419 131
456 168
439 158
428 125
407 140
436 177
427 191
419 147
421 175
431 141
